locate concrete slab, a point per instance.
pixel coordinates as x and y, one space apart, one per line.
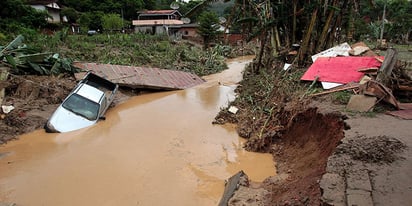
333 187
359 198
361 103
358 180
143 77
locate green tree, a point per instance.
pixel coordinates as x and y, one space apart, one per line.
208 27
130 8
91 20
16 11
112 22
400 14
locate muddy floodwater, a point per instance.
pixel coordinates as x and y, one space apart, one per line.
155 149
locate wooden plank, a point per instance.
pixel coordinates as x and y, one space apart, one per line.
340 88
231 186
387 66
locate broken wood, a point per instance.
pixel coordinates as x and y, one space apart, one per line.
404 88
231 186
337 89
368 70
377 89
387 66
368 53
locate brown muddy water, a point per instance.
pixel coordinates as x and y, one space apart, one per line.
155 149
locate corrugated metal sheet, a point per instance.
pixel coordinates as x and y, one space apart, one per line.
140 77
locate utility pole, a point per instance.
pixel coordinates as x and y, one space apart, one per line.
383 23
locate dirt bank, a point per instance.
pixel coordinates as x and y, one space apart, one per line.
34 99
301 154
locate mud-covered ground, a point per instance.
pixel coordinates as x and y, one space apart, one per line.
34 98
302 141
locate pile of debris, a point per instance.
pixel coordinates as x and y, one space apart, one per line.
372 78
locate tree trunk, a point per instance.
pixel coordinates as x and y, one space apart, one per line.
326 27
304 48
295 5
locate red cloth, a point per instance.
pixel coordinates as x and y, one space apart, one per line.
339 69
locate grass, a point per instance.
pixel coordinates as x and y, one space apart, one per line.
341 97
134 50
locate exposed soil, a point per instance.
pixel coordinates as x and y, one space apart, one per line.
34 99
301 144
301 140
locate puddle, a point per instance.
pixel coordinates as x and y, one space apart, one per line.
154 149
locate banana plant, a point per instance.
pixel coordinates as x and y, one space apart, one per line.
25 60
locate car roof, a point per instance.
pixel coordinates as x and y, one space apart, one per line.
90 92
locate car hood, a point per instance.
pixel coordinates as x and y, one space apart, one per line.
64 120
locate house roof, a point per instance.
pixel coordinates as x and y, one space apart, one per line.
192 25
158 12
157 22
51 4
41 2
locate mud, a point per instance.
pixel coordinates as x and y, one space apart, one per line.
302 153
306 142
376 149
34 99
154 149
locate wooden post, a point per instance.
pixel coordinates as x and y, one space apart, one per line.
387 66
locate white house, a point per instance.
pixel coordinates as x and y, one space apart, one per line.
52 8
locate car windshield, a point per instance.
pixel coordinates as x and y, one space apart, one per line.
82 106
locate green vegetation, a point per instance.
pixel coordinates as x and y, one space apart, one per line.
112 22
26 60
398 15
16 17
208 27
132 49
341 97
268 91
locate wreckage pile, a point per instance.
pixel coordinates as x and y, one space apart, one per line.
372 78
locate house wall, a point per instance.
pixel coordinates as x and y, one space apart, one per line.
150 29
54 13
189 32
39 7
234 39
56 16
144 29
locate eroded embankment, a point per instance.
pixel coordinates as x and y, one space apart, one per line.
301 142
302 152
275 117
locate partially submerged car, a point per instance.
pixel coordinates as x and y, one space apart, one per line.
84 106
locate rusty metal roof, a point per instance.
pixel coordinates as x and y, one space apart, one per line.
157 22
142 77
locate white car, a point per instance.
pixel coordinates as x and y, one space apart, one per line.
84 106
